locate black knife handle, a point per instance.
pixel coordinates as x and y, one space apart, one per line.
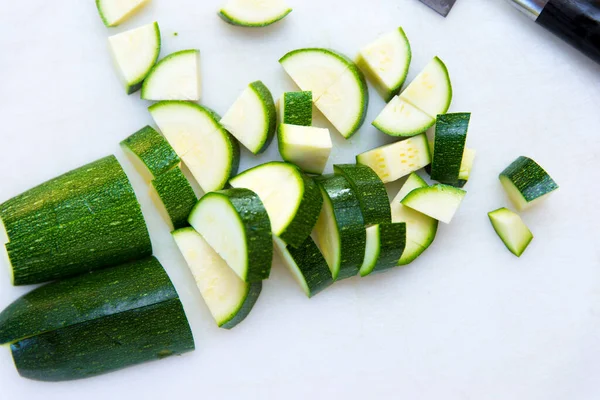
576 21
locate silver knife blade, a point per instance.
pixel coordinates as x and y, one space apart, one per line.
442 7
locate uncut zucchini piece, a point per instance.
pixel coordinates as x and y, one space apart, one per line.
511 229
438 201
393 161
370 191
228 298
340 230
134 53
385 245
252 118
150 152
236 225
307 265
292 199
305 146
254 14
449 147
400 118
526 183
114 12
431 90
296 108
175 77
174 192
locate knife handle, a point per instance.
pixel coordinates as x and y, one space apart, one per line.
576 21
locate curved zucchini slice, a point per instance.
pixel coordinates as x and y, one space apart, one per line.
449 147
176 197
307 265
236 225
431 90
208 150
150 153
292 199
526 183
385 62
438 201
252 13
114 12
252 119
135 52
296 108
307 147
512 230
400 118
385 245
175 77
370 191
340 230
228 298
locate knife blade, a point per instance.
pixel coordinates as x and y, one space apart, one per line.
442 7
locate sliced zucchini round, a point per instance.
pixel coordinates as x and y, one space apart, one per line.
449 147
252 119
134 53
175 77
438 201
385 245
236 225
292 199
526 183
295 108
228 298
252 13
512 230
307 147
173 193
431 90
114 12
208 150
400 118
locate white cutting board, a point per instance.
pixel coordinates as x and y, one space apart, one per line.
467 320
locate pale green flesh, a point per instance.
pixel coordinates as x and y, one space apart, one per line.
517 198
467 164
372 250
307 147
253 13
114 12
328 236
289 261
431 90
440 202
175 77
400 118
512 230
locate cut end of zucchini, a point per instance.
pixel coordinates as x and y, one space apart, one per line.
440 202
431 90
467 164
175 77
526 183
400 118
115 12
175 195
296 108
307 147
512 230
253 13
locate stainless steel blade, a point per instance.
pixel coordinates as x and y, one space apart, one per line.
442 7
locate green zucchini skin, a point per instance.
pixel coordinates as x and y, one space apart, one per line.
291 109
307 215
392 242
370 190
270 112
153 150
254 290
449 147
107 344
177 195
530 179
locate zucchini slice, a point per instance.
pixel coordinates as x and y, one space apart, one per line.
385 245
206 148
466 166
176 197
512 230
393 161
175 77
385 62
400 118
228 298
236 225
420 229
526 183
340 230
438 201
370 191
150 153
292 199
307 147
134 53
252 119
252 13
296 108
449 147
307 265
431 90
115 12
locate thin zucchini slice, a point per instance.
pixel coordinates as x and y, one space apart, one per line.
307 147
175 77
449 147
174 194
400 118
438 201
466 166
115 12
431 90
385 245
252 13
296 108
526 183
511 229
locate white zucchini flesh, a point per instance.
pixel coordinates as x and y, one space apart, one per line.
431 90
467 164
281 248
134 53
254 12
438 201
175 77
114 12
400 118
372 250
511 229
307 147
328 236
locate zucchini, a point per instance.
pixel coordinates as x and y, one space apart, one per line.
250 13
228 298
307 147
431 90
449 147
134 53
114 12
370 191
235 223
466 166
307 265
295 108
207 149
150 153
438 201
252 119
385 245
385 62
393 161
526 183
511 229
175 77
400 118
420 229
340 230
173 190
292 199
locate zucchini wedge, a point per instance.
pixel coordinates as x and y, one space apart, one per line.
526 183
296 108
438 201
305 146
254 14
115 12
385 245
175 77
449 147
173 193
431 90
509 226
400 118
